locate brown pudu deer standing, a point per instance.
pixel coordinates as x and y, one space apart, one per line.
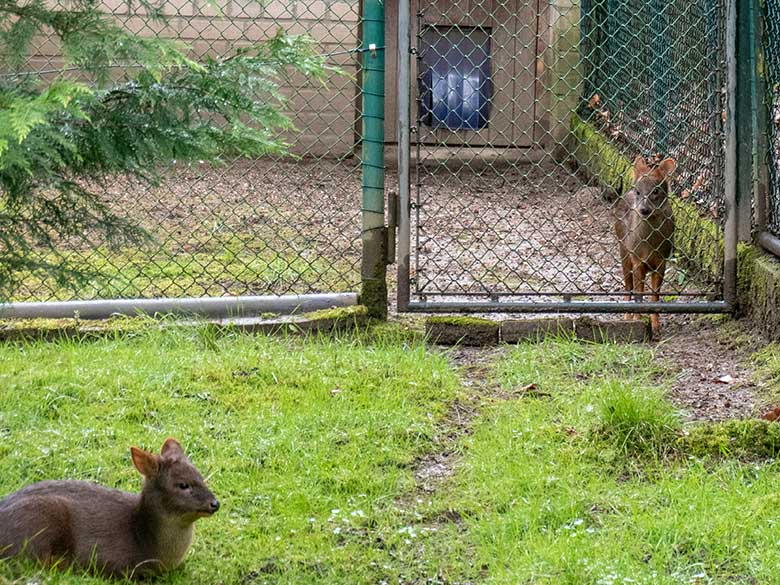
644 226
113 533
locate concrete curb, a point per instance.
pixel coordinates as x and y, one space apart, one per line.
325 321
472 331
443 330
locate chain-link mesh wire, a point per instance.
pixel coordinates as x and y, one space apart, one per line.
771 46
272 225
529 115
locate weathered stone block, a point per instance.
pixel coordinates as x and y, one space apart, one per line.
447 330
622 331
517 330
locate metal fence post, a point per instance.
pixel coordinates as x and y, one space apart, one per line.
768 136
587 31
374 234
760 125
404 136
746 75
730 175
760 133
660 74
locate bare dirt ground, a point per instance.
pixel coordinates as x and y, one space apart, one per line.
516 230
714 379
519 230
311 202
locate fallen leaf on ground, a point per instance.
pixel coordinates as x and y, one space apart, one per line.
772 415
530 390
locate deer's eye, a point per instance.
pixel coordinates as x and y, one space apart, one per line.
183 485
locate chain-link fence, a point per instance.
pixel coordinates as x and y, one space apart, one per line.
273 225
653 81
528 119
771 46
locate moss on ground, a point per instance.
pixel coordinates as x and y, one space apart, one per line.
748 439
758 285
462 321
50 329
332 320
32 329
356 311
599 157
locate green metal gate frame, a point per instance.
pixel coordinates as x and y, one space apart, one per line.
733 117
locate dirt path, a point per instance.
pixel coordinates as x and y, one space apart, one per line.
710 365
475 368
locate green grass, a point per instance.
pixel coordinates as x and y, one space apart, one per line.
579 484
767 362
311 446
307 443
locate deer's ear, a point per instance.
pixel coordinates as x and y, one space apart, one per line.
146 463
666 168
641 168
171 449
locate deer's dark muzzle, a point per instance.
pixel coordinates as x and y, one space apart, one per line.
644 211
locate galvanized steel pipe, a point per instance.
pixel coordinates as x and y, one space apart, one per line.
203 307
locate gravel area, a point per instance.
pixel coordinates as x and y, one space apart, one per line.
515 230
521 231
309 202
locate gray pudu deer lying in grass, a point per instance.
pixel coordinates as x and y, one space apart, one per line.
644 226
111 532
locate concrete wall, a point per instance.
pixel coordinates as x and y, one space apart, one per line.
543 87
324 114
563 71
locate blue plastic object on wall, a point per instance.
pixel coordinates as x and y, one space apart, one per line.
455 84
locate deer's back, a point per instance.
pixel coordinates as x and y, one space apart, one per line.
76 520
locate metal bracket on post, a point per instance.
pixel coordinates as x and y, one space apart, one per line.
392 224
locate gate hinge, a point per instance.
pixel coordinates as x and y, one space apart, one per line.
392 224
